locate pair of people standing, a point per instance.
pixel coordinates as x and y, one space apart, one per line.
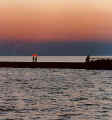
34 57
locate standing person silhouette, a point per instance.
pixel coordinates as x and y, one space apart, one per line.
35 58
88 59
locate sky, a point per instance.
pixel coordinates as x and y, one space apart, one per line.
55 21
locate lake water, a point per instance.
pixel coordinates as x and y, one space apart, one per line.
55 94
49 58
44 58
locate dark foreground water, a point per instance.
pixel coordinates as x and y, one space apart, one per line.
55 94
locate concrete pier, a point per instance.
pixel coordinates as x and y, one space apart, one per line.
59 65
76 65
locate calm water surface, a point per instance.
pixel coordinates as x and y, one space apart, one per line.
44 58
49 58
55 94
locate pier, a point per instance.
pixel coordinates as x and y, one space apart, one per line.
59 65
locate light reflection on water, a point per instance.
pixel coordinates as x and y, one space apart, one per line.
55 94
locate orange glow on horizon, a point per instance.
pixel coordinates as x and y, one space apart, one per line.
48 20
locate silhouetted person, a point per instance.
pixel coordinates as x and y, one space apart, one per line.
33 58
87 58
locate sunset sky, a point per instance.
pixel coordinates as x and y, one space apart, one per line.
43 21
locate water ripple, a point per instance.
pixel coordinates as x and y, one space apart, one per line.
55 94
